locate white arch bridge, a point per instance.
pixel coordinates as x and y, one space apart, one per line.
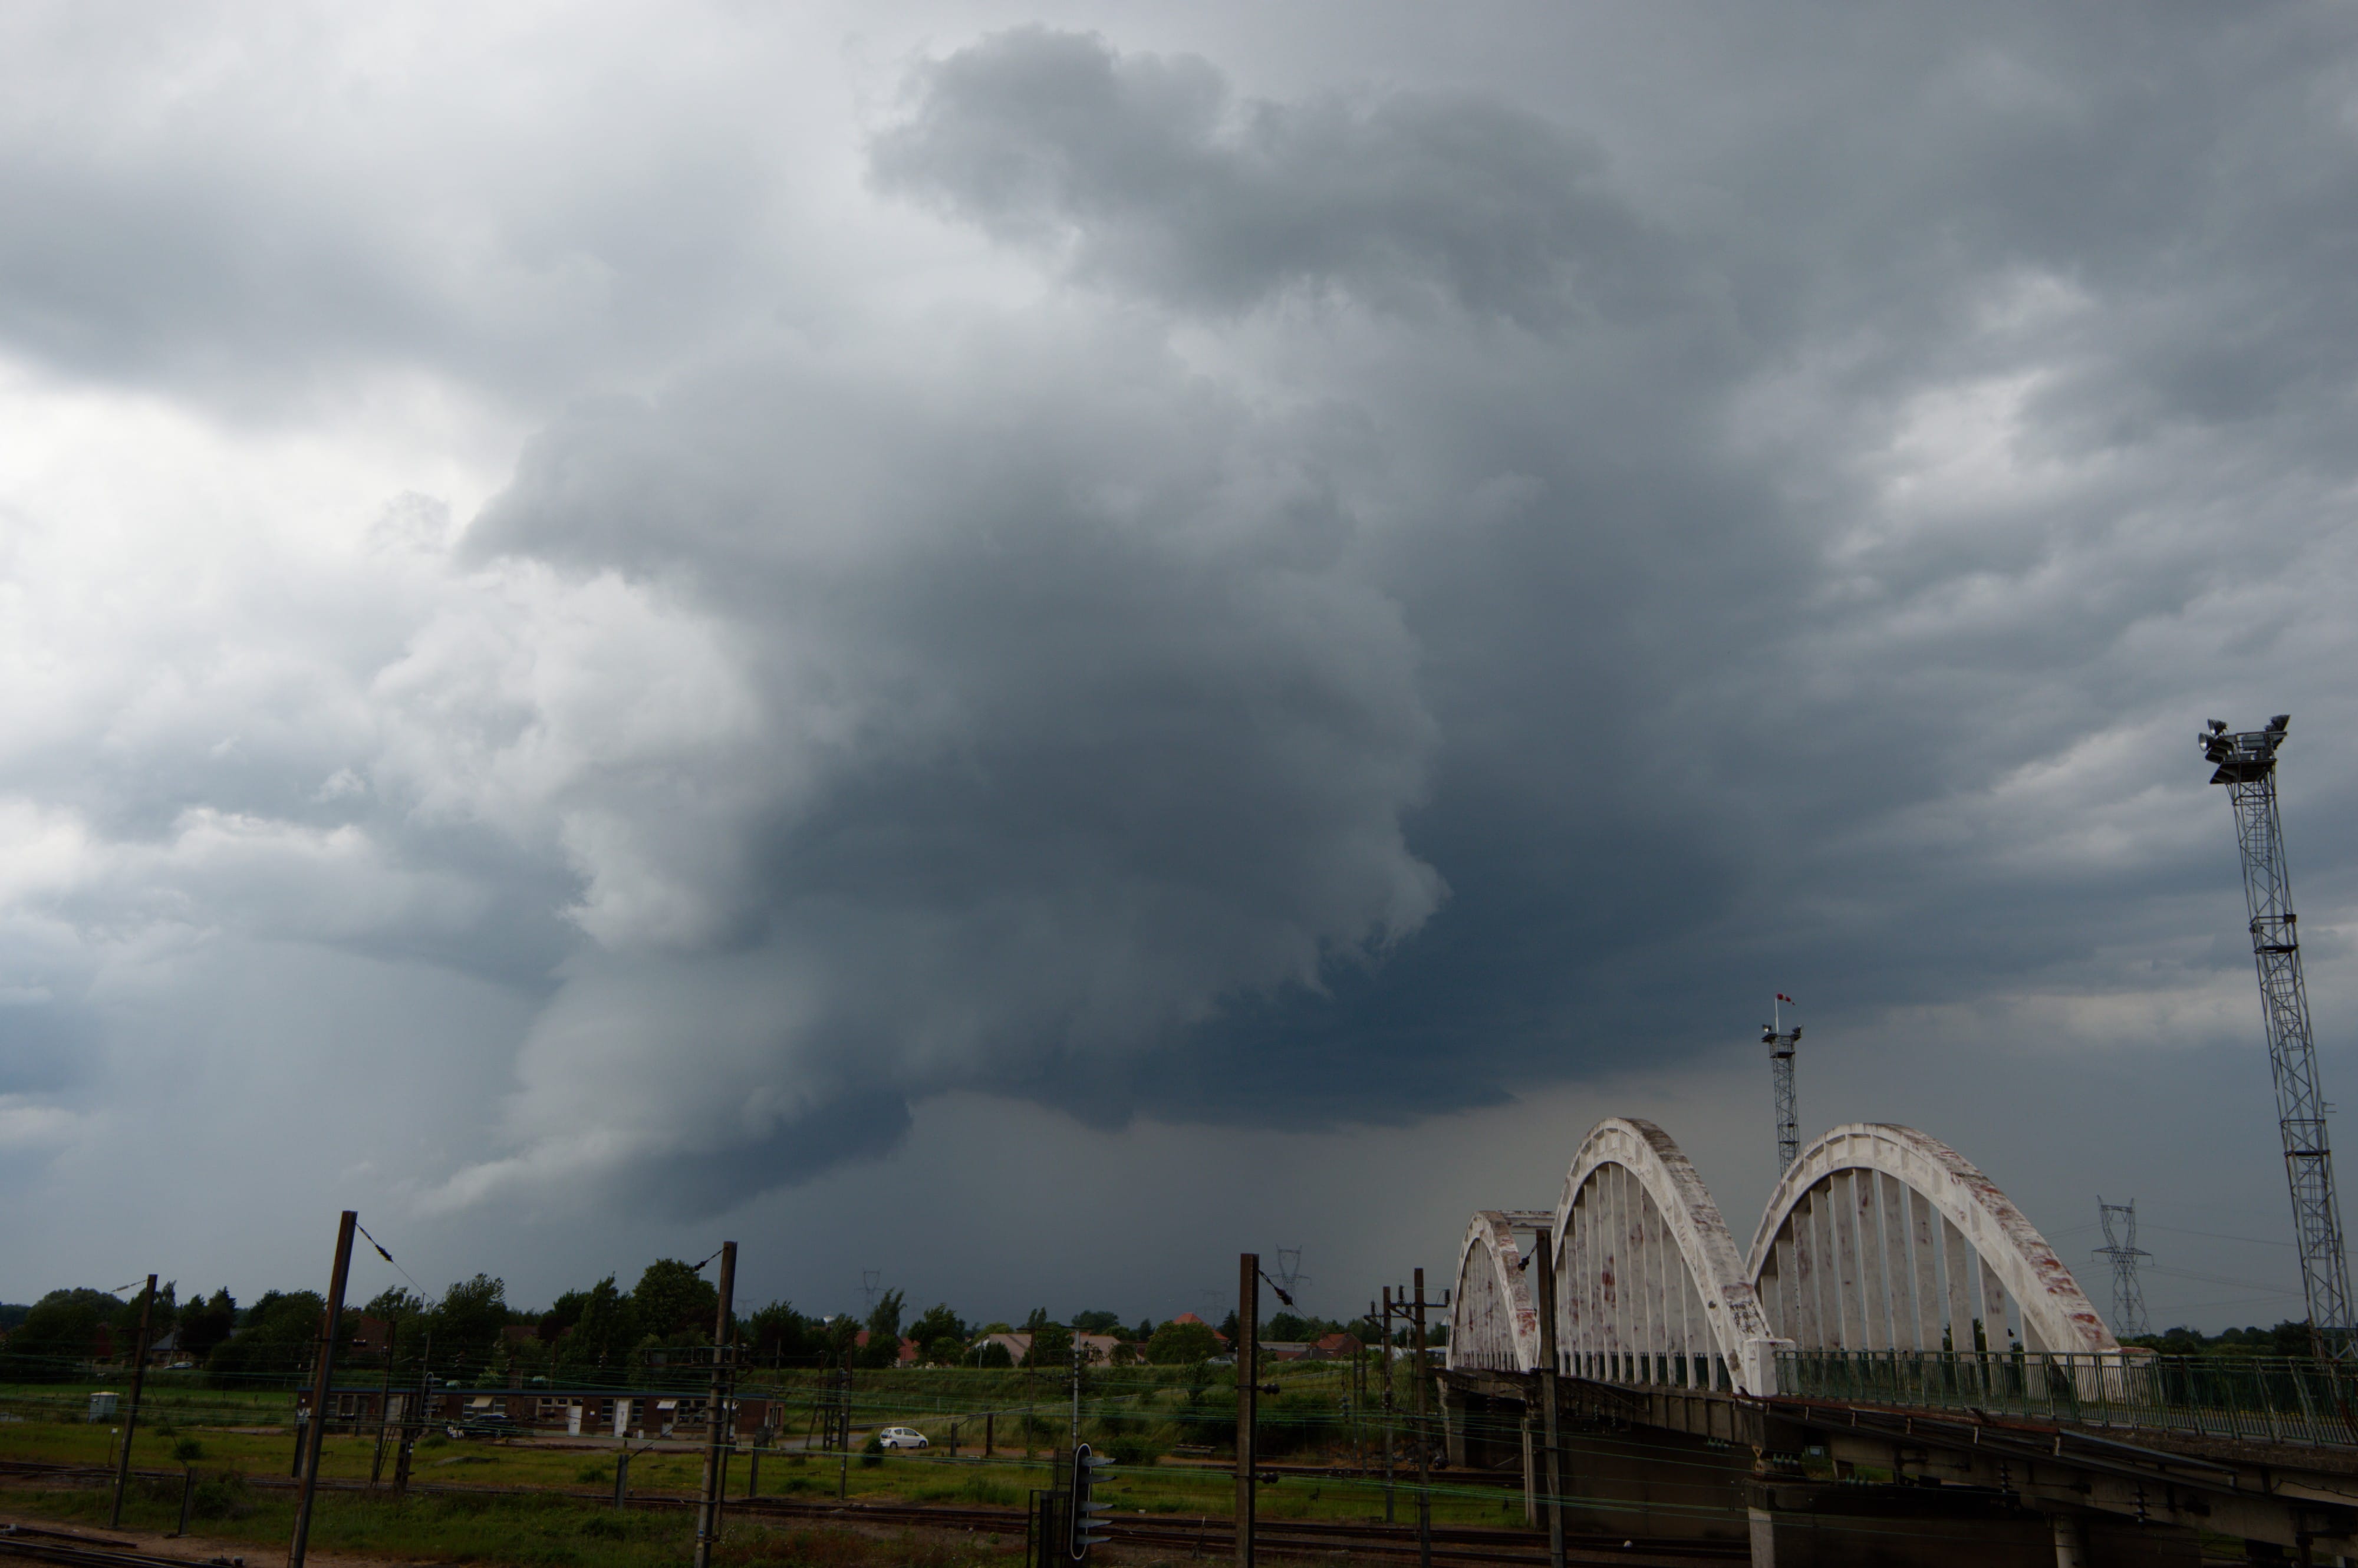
1893 1315
1878 1238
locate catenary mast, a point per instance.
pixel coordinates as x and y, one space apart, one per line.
2246 764
1780 1043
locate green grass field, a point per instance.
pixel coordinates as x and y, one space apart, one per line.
534 1533
565 1519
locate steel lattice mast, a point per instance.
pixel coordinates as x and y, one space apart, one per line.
1780 1043
2247 765
2128 1298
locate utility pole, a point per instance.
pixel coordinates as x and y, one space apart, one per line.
1076 1390
384 1399
716 1425
843 1427
1423 1439
2129 1298
1781 1042
131 1421
1248 1397
1550 1456
413 1418
2246 764
1359 1406
1390 1443
413 1422
332 1327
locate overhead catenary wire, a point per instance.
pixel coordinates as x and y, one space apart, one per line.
389 1258
2175 1230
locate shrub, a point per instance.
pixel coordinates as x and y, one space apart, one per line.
1133 1450
222 1497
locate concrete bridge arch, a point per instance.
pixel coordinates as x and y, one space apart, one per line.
1494 1319
1649 1286
1882 1238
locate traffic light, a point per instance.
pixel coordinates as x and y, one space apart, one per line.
1088 1517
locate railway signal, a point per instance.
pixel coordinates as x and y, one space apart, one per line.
1086 1528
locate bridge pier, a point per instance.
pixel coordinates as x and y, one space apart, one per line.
1832 1524
1662 1484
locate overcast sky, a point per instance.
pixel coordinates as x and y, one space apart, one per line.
1026 645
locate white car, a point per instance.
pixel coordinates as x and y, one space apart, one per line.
902 1437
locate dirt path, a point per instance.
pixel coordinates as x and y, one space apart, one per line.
199 1549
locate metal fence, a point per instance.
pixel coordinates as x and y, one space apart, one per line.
2267 1399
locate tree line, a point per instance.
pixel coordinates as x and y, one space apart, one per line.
472 1332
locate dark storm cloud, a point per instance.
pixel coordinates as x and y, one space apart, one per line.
1747 605
1075 723
1156 177
1750 632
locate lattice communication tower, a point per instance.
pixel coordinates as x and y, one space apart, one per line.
2120 1246
2247 765
1781 1042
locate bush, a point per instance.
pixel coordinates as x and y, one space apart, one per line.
1208 1426
872 1454
219 1497
1141 1452
1295 1421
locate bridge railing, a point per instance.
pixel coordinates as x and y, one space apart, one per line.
2257 1398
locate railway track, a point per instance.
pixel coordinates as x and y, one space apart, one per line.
94 1551
1204 1536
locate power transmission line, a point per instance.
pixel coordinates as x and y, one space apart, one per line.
2128 1300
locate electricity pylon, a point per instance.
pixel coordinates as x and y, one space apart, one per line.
2128 1298
1780 1043
2247 765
